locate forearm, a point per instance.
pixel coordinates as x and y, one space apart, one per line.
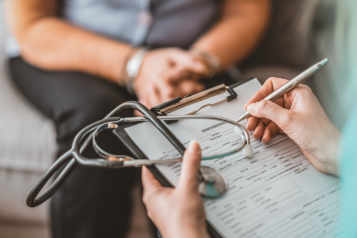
53 44
66 47
239 29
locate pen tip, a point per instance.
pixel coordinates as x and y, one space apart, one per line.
323 62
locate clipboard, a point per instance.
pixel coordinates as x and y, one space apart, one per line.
171 106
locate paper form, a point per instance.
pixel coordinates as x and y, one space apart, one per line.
277 193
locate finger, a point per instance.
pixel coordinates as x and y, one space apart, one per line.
193 76
190 166
138 114
259 130
176 74
151 187
185 60
267 135
166 87
270 130
190 87
150 97
155 98
269 110
269 86
148 179
252 123
173 75
264 123
143 100
197 67
167 91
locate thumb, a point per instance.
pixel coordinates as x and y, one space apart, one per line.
148 179
190 166
272 111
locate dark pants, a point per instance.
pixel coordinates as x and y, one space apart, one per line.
92 202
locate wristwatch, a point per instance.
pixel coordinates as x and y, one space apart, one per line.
133 67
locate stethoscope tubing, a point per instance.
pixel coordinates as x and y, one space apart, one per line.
245 138
76 150
69 158
74 155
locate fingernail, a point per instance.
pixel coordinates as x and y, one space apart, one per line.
254 136
194 147
251 108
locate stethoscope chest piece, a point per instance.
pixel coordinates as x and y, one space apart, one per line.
211 183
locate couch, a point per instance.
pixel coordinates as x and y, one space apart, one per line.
27 147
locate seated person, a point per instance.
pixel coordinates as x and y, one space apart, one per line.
179 212
76 60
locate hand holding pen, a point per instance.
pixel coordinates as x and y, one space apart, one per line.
300 116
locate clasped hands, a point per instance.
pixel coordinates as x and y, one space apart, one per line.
178 212
168 73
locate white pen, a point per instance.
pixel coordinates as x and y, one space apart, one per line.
290 85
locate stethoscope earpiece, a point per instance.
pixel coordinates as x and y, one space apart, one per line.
247 151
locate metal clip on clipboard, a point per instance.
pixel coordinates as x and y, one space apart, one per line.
178 103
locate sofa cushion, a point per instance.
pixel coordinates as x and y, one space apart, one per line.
27 147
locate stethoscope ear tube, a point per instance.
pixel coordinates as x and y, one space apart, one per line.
31 200
67 157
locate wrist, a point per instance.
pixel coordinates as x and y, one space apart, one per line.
131 67
185 231
121 76
331 148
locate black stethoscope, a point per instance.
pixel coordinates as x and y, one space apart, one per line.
211 183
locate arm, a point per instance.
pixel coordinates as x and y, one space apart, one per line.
238 30
53 44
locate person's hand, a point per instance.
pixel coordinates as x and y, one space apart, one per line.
299 115
166 74
177 212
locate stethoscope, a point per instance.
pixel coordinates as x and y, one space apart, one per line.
211 183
